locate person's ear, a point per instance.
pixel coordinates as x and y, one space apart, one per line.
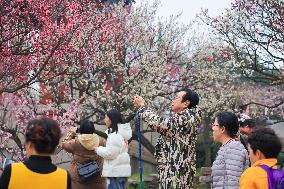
259 154
29 148
28 145
223 129
186 103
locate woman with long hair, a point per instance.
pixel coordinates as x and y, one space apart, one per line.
116 158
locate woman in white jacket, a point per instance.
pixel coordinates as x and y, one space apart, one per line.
116 158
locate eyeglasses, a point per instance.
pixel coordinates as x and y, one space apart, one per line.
215 125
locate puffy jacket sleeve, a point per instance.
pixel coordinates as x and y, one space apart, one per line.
112 148
102 142
68 143
247 163
236 161
125 131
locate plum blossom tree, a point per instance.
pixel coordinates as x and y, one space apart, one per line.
128 52
265 101
44 41
135 59
40 40
20 107
253 30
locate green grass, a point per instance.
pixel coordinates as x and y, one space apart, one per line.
198 172
136 176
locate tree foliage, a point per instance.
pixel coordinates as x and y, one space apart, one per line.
254 31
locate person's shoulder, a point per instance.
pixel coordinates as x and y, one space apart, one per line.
253 172
235 146
192 115
61 170
114 139
114 136
15 164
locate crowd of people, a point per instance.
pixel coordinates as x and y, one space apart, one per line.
245 159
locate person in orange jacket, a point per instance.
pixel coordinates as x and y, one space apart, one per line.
264 146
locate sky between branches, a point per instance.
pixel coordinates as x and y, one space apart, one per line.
189 8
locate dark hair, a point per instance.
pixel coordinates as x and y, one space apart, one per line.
230 121
44 133
86 127
266 141
247 122
116 118
191 96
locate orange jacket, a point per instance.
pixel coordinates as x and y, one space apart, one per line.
255 177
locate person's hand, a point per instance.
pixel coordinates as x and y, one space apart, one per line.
138 101
126 144
73 129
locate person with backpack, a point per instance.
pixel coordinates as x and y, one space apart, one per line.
116 158
80 142
264 146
